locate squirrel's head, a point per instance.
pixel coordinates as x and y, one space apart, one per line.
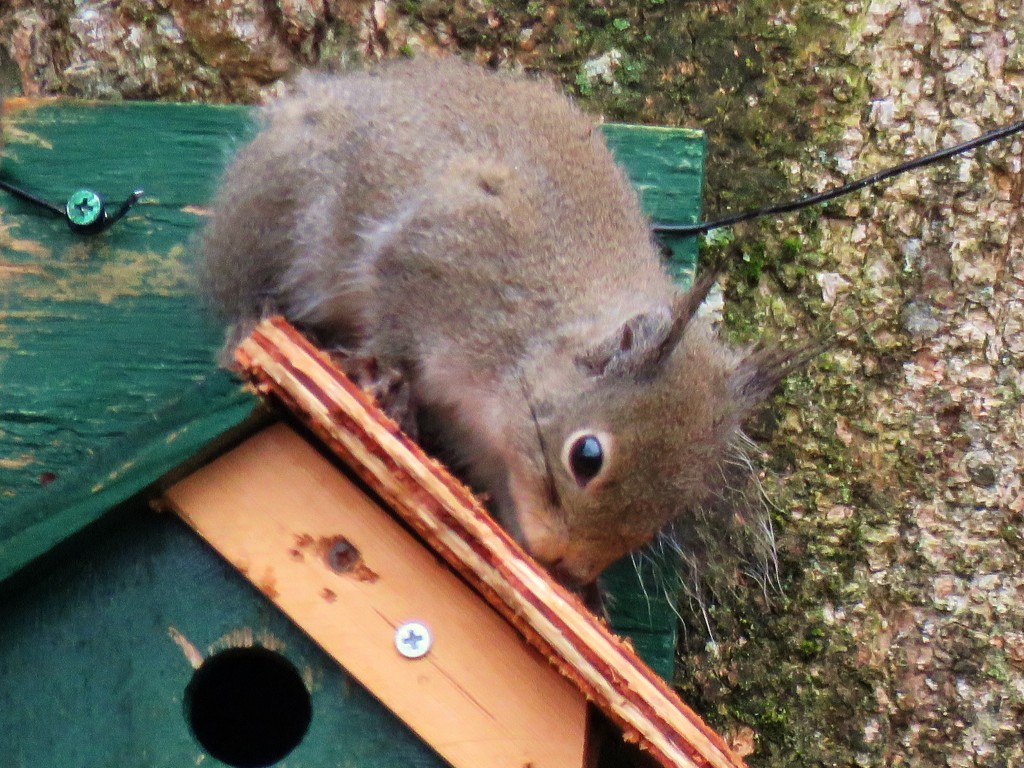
641 439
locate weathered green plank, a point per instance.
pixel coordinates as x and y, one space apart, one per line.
643 592
107 374
104 347
97 333
122 467
666 165
93 665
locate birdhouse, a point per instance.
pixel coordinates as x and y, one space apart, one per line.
190 574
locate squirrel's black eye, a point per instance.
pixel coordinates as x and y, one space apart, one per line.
586 457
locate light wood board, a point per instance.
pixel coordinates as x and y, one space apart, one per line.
280 512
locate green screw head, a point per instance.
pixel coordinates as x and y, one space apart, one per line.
84 208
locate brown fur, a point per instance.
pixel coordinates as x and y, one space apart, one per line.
471 230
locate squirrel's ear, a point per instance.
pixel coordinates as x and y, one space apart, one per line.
684 307
688 302
640 344
632 348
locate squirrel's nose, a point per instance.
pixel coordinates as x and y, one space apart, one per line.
575 575
586 589
545 534
561 574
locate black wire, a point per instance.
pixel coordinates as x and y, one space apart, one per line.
104 222
28 197
853 186
129 201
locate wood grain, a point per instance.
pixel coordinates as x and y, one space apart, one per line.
448 517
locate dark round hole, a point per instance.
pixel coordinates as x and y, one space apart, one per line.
248 707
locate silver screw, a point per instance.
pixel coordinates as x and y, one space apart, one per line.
412 639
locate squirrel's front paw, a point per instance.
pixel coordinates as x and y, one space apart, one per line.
389 387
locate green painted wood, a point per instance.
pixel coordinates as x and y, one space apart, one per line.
666 166
107 379
107 374
93 671
123 467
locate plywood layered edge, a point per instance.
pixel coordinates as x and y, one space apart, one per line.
280 362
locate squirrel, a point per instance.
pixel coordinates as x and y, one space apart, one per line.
468 232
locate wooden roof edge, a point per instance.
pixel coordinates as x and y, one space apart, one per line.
280 362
